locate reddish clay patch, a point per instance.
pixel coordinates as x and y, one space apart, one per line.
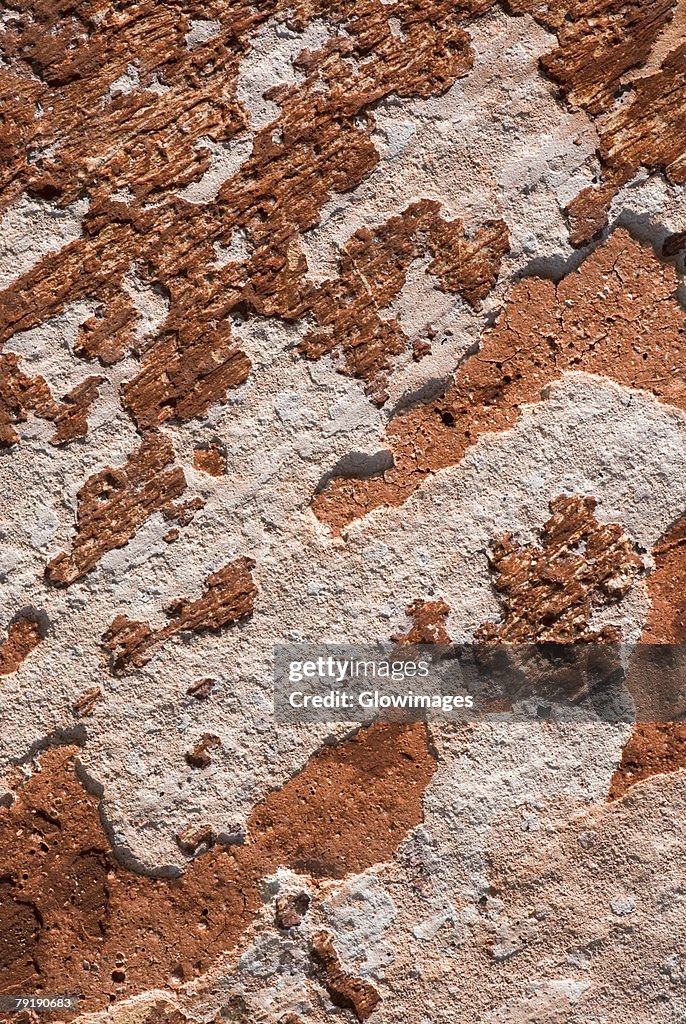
657 748
429 620
550 592
24 634
229 597
667 618
211 460
70 910
114 504
346 991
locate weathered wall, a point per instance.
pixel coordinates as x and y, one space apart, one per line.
336 321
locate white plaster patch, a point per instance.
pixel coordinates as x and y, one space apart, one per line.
360 912
126 83
511 765
48 350
650 207
156 86
238 250
201 31
31 229
151 302
270 62
227 159
421 303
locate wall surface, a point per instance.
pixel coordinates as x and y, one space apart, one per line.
321 322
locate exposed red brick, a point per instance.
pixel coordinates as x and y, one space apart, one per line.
201 688
346 991
109 334
603 318
148 142
20 927
666 622
21 395
69 82
200 756
229 597
181 379
182 512
24 634
71 420
210 460
373 269
74 55
291 909
429 619
71 910
647 130
658 747
549 592
599 43
655 748
114 504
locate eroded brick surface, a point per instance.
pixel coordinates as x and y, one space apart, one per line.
277 192
429 620
21 395
24 634
373 269
210 460
229 597
69 906
114 503
656 748
345 991
550 592
616 316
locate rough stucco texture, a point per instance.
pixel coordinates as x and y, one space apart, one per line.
337 321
